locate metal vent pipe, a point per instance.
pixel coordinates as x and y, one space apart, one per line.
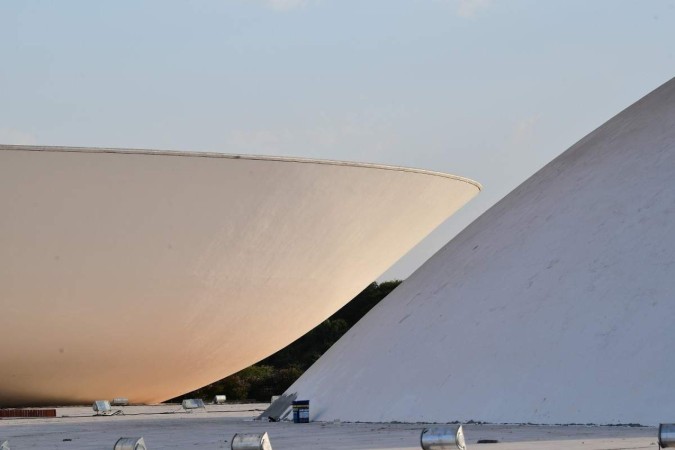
251 442
443 438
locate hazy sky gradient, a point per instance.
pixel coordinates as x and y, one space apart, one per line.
486 89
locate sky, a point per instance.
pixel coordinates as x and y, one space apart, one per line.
487 89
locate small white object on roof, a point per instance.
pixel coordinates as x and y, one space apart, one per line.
193 403
130 443
251 442
443 438
666 435
101 406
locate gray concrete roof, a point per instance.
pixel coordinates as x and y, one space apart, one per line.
166 427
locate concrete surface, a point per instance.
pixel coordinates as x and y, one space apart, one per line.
555 306
119 265
164 428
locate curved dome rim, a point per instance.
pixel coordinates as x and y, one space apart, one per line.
201 154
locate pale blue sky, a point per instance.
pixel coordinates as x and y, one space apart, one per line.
488 89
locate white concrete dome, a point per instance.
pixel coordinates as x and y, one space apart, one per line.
555 306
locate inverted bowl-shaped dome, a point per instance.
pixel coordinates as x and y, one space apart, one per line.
147 274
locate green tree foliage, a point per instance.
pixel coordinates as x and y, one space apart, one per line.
276 373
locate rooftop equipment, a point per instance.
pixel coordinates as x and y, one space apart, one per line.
443 438
666 435
193 403
130 443
251 442
219 399
301 411
101 407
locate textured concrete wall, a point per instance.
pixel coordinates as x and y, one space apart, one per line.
555 306
146 275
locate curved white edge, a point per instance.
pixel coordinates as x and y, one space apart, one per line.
201 154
